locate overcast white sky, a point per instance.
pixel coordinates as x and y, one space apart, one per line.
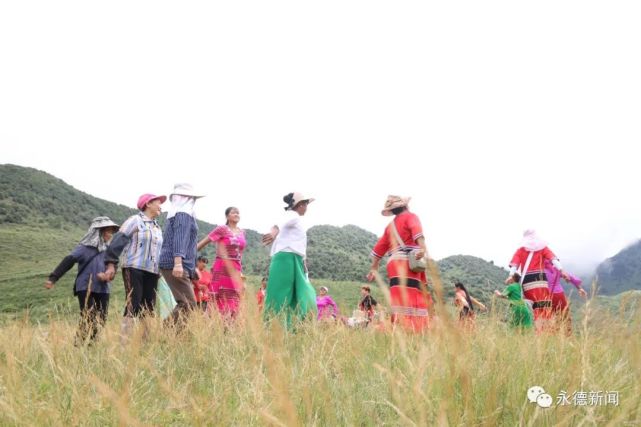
495 116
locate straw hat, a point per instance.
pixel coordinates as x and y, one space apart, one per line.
394 202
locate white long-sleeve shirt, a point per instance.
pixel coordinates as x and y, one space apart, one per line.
292 236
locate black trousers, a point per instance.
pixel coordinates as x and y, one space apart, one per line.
140 287
93 314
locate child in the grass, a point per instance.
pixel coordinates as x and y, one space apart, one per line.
367 303
201 282
260 295
521 316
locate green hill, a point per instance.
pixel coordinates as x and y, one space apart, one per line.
480 277
42 218
622 272
340 253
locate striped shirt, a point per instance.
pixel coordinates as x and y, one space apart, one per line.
180 239
143 250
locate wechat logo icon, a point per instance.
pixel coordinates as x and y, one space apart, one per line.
538 395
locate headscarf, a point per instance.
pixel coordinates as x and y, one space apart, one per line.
93 237
180 203
532 242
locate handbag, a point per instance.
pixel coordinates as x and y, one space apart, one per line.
416 265
165 299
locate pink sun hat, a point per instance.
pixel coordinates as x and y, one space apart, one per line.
148 197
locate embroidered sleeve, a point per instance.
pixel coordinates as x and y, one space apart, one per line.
548 254
516 259
414 225
382 246
217 233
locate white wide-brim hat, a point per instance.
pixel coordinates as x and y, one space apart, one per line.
299 197
184 189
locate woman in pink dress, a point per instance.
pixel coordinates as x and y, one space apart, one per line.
327 308
226 273
560 305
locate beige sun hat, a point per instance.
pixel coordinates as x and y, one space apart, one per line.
296 198
299 197
394 202
184 189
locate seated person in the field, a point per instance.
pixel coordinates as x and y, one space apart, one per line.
260 295
327 308
201 282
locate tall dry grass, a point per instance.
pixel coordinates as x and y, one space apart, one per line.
317 374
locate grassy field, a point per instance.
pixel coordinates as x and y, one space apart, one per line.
319 374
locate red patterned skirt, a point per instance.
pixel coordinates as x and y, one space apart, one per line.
409 297
226 285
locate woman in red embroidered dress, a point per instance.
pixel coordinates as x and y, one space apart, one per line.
409 296
530 260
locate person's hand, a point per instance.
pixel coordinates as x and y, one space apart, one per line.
102 277
177 271
49 284
420 254
372 275
582 293
269 238
510 279
110 272
497 293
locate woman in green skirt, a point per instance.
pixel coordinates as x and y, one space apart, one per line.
521 316
289 292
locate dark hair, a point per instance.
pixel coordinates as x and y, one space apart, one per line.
289 199
517 277
228 211
365 287
397 211
203 259
467 294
